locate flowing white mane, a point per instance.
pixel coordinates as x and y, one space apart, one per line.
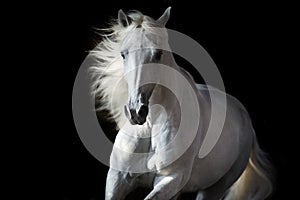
109 87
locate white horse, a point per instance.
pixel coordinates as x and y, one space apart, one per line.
148 116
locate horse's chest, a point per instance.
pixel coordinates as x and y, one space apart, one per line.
130 153
132 144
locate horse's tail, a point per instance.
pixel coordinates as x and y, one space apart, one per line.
255 182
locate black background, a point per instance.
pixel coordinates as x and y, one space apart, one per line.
248 43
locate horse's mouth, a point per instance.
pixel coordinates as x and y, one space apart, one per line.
137 122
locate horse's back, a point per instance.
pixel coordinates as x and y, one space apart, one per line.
235 111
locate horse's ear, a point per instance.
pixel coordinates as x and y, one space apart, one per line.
123 19
165 17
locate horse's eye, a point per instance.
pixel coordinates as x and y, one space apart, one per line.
123 55
158 54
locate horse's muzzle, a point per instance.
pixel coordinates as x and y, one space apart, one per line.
136 116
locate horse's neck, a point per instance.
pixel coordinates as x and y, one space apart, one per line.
164 101
164 92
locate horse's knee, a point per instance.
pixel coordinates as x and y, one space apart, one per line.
167 186
200 196
177 180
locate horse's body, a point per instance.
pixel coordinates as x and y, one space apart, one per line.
234 168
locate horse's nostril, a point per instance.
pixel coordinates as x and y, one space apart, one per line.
143 112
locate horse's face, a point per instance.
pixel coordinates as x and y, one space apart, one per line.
140 49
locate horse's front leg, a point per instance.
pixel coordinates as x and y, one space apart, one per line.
118 184
168 186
